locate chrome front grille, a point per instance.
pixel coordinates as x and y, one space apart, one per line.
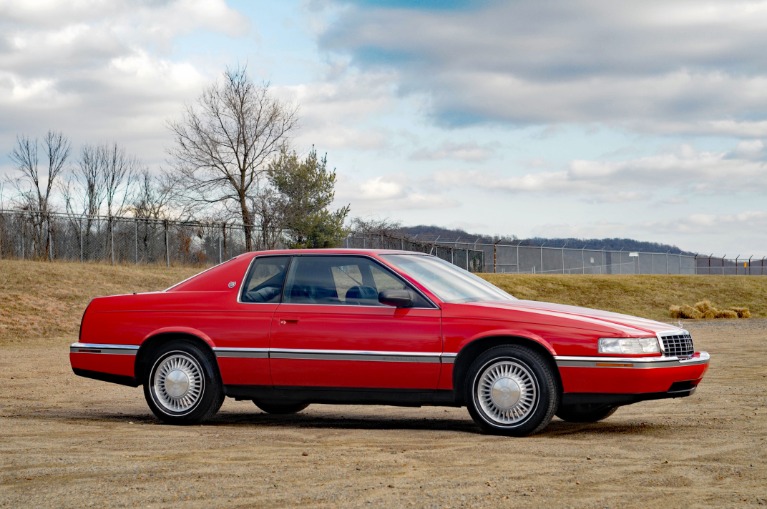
677 345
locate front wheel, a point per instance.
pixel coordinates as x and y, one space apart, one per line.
585 412
183 386
511 390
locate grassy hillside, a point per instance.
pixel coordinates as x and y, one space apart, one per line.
46 300
645 295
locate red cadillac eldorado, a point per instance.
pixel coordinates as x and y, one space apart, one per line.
290 328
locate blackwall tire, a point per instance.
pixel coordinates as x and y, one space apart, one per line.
511 390
182 385
585 412
280 408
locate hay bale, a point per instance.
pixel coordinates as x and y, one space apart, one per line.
675 312
742 312
705 309
690 313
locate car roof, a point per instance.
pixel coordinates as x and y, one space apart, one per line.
333 251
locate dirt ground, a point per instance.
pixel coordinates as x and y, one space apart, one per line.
67 441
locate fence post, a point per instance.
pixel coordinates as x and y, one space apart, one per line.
167 244
50 237
563 257
80 224
136 222
467 256
111 239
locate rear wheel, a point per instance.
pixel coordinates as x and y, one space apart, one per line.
511 390
183 386
585 412
280 408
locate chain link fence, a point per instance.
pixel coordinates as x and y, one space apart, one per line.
29 235
525 259
465 257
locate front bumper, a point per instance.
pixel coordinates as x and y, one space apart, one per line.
635 378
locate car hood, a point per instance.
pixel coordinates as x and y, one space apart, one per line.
589 318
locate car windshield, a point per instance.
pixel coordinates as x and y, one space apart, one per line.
445 280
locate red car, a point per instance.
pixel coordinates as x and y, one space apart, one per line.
290 328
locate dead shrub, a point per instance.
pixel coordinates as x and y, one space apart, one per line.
726 313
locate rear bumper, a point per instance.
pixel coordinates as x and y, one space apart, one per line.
109 363
635 379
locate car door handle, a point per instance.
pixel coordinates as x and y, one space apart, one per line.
287 321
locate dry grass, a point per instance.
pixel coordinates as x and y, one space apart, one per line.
42 299
646 295
46 300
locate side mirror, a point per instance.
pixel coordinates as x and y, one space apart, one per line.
396 298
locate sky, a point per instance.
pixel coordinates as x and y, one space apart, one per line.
643 119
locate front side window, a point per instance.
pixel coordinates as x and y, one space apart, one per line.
341 280
265 278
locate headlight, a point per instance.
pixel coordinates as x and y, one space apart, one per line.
629 345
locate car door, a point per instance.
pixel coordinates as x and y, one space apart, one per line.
243 355
331 331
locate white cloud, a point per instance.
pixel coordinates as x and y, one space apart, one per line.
334 113
388 195
686 171
101 70
380 189
686 67
467 152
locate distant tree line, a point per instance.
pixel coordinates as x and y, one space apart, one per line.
231 161
432 233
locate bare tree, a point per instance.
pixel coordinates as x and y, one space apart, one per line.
152 196
150 204
118 170
83 193
265 207
225 142
374 226
90 181
35 184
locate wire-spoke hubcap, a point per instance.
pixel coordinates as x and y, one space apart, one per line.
507 392
178 383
